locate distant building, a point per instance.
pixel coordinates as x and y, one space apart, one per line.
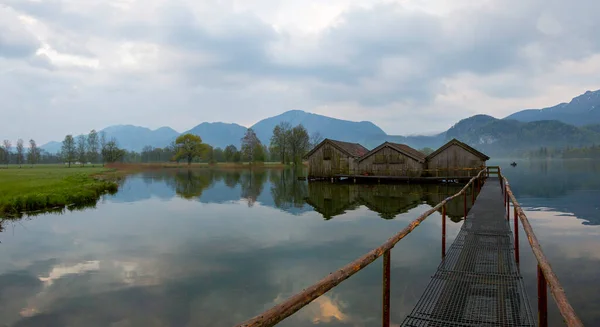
455 158
331 157
392 159
337 159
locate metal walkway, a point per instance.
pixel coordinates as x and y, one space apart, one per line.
478 282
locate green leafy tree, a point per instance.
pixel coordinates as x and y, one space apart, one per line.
102 146
259 153
69 151
190 146
299 144
229 153
81 149
237 156
92 146
111 152
218 155
280 140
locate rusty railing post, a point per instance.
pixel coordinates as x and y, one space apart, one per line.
444 231
465 197
516 217
542 298
386 289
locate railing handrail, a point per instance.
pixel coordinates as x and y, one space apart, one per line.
558 293
298 301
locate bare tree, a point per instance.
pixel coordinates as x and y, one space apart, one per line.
69 151
249 145
81 147
33 153
92 146
315 139
20 152
7 148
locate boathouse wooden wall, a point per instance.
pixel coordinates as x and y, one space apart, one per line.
336 162
388 161
453 160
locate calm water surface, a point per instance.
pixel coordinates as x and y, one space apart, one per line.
213 248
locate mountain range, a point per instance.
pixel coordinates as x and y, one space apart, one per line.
576 123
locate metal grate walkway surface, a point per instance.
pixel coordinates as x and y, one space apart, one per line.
478 282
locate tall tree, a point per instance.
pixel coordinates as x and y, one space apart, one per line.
229 153
299 143
81 149
20 152
190 146
7 148
280 140
102 146
218 155
92 146
111 152
33 154
2 154
249 145
69 151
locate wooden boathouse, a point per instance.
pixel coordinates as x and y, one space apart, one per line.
331 158
455 159
392 159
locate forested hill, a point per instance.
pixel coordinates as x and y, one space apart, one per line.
507 136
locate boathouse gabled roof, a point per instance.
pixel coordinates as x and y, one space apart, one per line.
462 145
402 148
354 150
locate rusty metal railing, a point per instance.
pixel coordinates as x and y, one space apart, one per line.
545 276
283 310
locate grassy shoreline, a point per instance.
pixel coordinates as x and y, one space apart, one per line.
55 187
48 187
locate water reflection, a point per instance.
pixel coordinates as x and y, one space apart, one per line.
389 200
288 193
571 186
179 248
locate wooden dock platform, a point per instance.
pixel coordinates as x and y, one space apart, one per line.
407 179
478 282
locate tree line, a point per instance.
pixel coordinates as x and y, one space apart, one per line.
90 149
21 156
287 145
589 152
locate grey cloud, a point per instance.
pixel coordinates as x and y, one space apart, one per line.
480 42
15 40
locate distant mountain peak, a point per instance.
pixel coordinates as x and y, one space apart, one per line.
581 110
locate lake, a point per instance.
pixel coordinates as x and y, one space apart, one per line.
216 247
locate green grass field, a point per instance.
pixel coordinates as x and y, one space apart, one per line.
49 186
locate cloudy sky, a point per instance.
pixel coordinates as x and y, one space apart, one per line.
418 66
